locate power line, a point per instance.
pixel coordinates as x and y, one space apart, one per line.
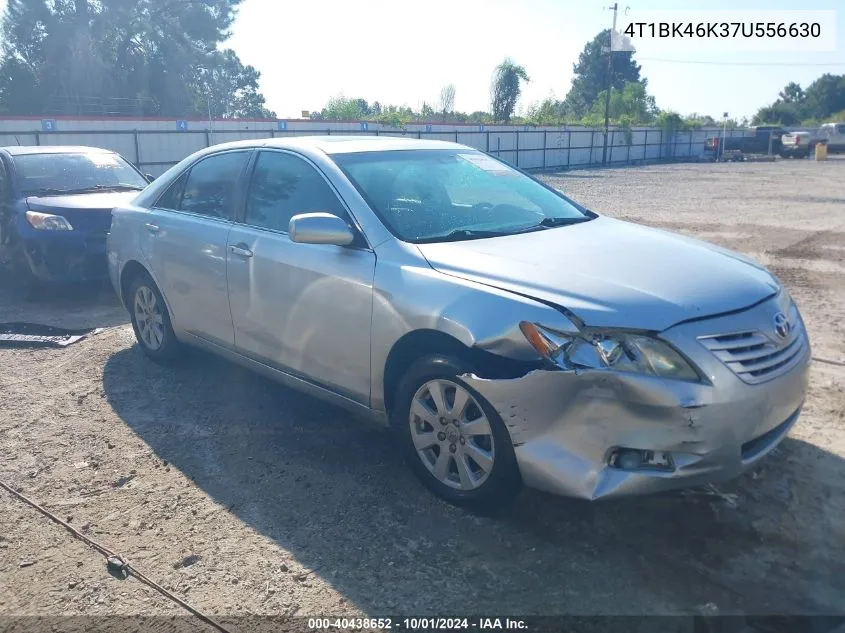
701 61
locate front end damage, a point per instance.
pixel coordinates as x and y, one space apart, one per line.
600 433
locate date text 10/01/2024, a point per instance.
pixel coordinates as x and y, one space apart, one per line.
418 624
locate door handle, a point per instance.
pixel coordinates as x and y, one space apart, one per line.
240 249
152 228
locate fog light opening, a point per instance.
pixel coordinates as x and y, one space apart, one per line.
636 459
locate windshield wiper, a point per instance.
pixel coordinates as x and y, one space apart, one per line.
463 234
553 222
95 188
45 192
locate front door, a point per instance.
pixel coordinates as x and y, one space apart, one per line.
302 308
184 242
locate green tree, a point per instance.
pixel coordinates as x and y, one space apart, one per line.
792 93
229 87
825 96
591 73
779 113
506 88
821 99
699 120
550 111
342 109
632 103
73 56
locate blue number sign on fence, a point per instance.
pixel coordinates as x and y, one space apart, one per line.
182 125
480 128
364 126
428 128
283 125
48 125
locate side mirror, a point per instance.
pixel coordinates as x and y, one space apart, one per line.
149 177
320 228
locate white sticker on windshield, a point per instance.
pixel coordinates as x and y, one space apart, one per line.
487 163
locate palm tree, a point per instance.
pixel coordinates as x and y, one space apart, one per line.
506 88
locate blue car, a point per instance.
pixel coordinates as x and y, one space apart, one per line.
55 210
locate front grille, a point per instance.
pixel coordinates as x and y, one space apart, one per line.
757 357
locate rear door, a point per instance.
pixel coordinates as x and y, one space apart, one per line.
301 308
184 241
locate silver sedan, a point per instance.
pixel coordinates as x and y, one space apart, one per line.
506 334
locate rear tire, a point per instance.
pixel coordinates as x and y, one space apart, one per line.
151 320
468 459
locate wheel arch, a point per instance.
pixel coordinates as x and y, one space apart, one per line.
131 270
428 342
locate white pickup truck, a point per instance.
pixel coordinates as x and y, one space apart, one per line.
803 143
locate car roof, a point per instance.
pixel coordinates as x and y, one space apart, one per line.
22 150
340 144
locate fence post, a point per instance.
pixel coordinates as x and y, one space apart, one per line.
137 150
660 152
328 131
629 142
592 145
37 138
612 144
456 136
568 146
207 139
272 133
545 136
487 142
689 154
498 145
516 144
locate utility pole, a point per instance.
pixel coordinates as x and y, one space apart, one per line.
608 84
724 136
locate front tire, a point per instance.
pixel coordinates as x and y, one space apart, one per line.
151 320
452 438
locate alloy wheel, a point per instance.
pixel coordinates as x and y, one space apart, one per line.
149 317
451 434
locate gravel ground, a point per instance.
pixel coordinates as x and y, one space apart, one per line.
244 497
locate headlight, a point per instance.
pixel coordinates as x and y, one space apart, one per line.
619 351
47 222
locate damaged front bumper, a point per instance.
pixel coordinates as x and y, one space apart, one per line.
568 427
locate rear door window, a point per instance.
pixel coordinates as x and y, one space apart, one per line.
212 184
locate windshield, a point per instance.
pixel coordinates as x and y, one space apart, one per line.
442 195
74 173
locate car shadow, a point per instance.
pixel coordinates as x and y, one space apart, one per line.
71 306
330 489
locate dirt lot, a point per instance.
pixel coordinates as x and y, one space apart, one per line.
245 497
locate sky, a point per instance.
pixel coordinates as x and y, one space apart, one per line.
402 52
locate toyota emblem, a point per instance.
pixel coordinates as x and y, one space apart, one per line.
782 325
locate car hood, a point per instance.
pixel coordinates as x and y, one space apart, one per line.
85 211
611 273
